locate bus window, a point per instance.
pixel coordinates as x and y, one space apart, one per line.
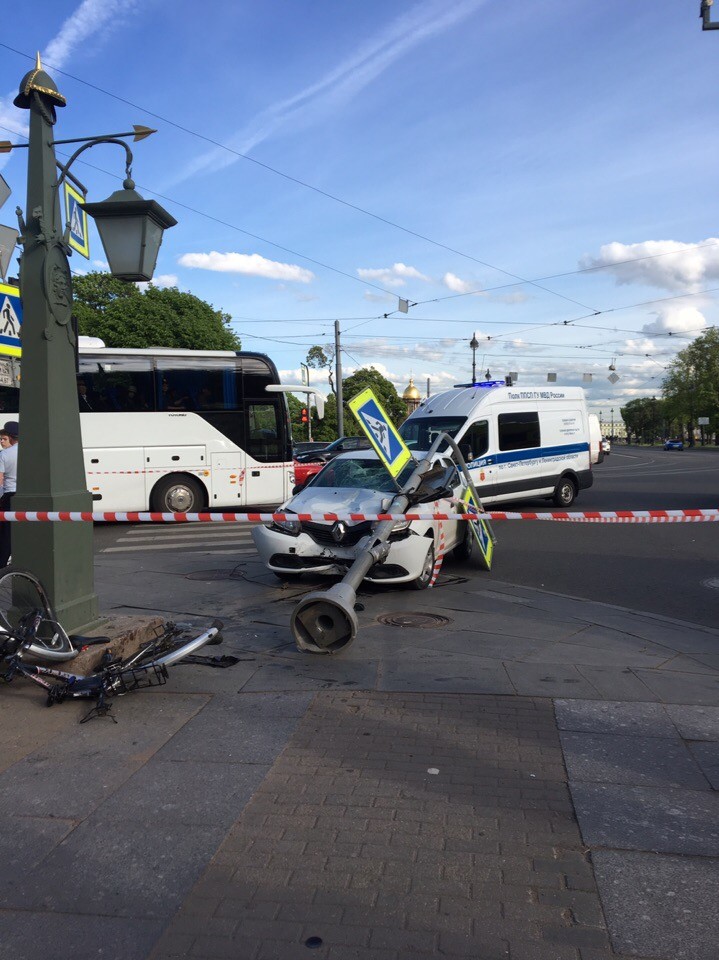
255 377
116 385
208 384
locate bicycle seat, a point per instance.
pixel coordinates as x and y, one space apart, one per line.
77 641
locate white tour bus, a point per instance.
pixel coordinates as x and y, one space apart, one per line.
518 443
180 430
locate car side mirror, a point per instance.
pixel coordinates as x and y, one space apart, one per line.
297 487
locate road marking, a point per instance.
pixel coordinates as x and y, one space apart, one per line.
188 549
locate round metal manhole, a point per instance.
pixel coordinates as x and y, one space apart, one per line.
421 621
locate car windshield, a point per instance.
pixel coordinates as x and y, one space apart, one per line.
419 433
353 473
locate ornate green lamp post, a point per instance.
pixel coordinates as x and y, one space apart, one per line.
51 474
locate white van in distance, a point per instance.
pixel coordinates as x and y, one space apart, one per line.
518 443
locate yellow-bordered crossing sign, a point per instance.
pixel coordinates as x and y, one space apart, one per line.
381 432
479 528
77 219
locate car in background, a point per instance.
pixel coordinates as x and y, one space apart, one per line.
358 483
674 443
606 447
303 472
305 446
325 454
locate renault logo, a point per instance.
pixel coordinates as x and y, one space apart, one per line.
338 531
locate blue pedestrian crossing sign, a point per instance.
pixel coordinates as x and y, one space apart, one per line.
10 320
479 527
381 432
77 221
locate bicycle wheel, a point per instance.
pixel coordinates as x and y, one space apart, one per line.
27 614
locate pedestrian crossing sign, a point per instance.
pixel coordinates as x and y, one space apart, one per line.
479 528
77 221
10 320
381 432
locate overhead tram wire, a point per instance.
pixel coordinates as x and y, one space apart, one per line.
303 183
230 226
216 143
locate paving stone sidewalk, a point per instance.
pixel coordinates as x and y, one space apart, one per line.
397 826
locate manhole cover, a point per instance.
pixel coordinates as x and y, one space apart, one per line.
713 583
417 620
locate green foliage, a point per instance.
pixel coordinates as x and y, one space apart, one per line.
382 388
123 316
691 387
644 418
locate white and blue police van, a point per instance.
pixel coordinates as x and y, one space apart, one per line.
518 442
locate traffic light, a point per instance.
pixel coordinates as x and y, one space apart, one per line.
305 418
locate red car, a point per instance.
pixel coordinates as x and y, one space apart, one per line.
303 472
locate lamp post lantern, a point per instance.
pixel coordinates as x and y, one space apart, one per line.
51 472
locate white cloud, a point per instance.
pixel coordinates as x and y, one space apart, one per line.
682 321
161 281
456 285
668 264
395 276
251 265
378 297
327 95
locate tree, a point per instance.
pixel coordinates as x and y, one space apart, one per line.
643 418
123 316
691 387
382 388
322 358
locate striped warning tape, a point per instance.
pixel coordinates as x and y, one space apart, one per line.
440 556
607 516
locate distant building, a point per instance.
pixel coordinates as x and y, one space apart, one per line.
411 397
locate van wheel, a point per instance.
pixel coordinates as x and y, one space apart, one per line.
565 492
425 577
177 494
465 548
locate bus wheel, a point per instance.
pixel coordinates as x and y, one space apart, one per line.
177 494
565 492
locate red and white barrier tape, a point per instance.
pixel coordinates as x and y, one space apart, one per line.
606 516
440 556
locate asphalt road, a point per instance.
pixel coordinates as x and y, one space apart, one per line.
670 569
667 568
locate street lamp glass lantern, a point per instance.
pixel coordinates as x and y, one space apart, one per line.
131 230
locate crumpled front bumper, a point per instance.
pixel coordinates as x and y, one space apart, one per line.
284 553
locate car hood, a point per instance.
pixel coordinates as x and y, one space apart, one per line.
335 500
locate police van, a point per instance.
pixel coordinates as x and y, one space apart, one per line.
518 443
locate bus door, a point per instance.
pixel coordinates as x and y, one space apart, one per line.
267 475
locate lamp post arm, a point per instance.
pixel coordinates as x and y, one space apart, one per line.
93 142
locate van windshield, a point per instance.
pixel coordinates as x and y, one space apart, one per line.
419 433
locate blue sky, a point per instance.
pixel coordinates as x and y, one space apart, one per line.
442 153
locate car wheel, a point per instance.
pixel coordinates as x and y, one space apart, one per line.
465 548
565 492
177 494
425 577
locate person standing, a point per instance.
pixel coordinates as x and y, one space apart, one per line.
8 481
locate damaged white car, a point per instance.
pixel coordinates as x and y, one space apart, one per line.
358 483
